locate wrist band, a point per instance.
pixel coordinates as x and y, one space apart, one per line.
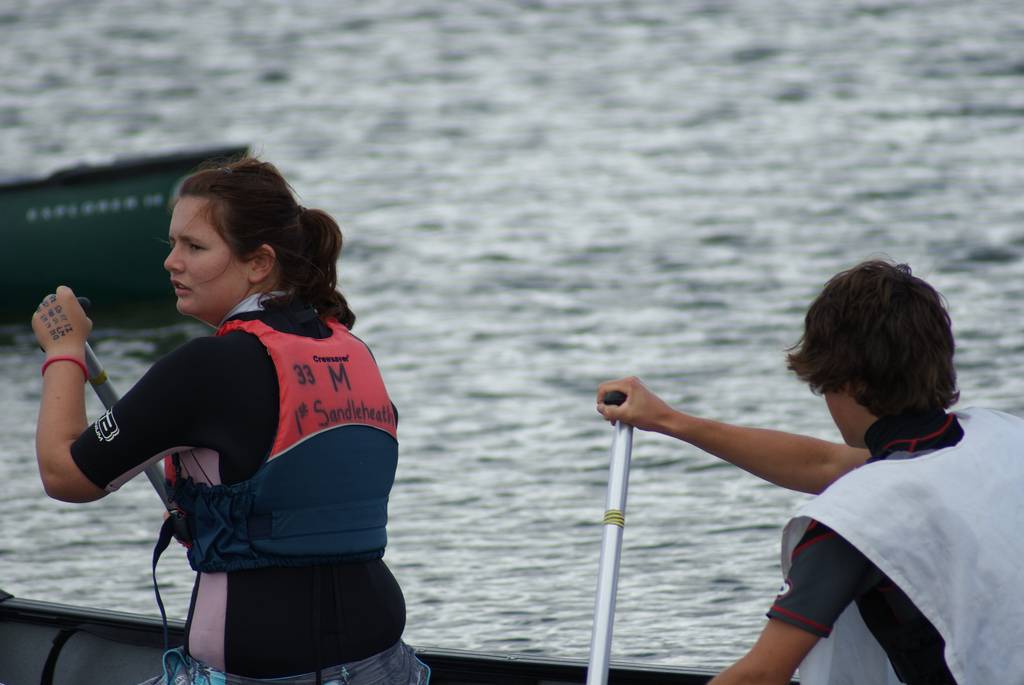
65 358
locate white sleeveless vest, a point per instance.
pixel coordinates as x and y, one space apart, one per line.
948 529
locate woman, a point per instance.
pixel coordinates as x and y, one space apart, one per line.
278 436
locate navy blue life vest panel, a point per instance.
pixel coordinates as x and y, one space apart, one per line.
323 501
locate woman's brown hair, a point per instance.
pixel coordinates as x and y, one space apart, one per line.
882 334
251 204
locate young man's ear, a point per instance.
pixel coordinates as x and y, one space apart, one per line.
262 264
855 389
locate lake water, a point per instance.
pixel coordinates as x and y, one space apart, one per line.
538 196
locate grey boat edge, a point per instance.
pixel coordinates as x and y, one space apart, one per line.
59 644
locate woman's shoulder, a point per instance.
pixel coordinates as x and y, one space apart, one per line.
212 353
232 341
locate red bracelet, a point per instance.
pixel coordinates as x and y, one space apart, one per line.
65 358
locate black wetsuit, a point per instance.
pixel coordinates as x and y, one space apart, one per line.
828 572
221 393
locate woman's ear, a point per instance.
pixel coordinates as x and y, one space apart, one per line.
262 265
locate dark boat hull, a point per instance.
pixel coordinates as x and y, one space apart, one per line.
100 229
42 642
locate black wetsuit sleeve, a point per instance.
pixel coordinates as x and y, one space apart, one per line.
211 392
828 573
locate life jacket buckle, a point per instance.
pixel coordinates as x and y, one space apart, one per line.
179 526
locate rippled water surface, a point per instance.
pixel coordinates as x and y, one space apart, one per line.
538 196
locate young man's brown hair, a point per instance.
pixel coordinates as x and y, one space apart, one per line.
881 334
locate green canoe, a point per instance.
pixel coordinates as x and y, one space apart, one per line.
100 229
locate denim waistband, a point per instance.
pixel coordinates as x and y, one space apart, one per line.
396 665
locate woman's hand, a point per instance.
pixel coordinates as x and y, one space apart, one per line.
60 324
642 408
62 328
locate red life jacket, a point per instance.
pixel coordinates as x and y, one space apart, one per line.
324 382
321 494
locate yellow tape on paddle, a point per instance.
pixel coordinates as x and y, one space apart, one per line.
614 517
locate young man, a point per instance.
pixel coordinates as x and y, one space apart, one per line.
918 528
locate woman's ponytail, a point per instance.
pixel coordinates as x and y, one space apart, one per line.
319 288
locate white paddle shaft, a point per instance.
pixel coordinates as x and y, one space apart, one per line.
611 547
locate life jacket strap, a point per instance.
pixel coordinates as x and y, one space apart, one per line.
174 526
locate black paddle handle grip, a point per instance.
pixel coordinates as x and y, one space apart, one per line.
614 397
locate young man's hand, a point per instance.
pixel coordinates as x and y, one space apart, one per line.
642 408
